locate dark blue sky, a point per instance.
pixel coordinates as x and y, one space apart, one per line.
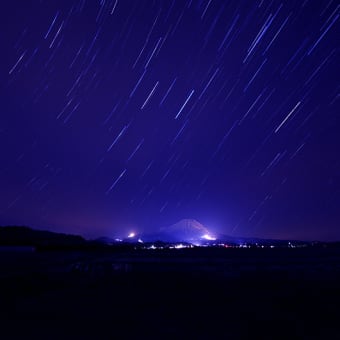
118 115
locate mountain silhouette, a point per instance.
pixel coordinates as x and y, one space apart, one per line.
186 230
25 236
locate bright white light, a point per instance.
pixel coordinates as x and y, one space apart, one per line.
208 237
180 246
131 235
140 240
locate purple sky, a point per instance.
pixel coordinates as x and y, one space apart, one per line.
119 115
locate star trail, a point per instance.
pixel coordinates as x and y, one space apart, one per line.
117 114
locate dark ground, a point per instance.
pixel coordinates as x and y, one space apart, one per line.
189 293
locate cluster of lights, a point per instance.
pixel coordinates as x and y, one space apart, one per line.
206 237
209 237
182 246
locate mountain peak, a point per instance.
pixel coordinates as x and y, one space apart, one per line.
189 225
186 230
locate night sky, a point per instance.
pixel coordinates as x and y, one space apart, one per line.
120 115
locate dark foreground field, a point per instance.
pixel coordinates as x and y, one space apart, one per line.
189 293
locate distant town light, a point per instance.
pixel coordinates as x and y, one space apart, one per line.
208 237
131 235
180 246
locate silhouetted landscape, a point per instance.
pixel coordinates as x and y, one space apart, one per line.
63 286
